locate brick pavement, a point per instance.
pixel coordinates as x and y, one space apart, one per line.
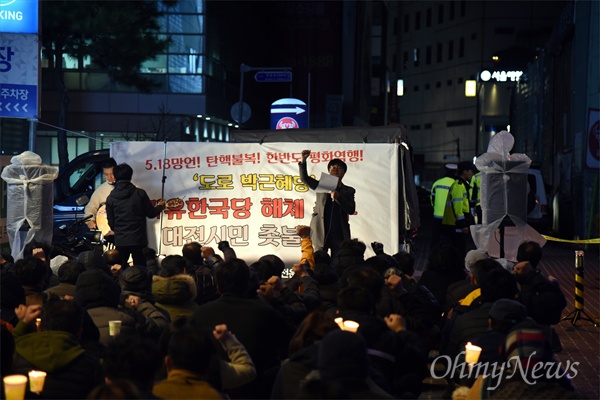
581 340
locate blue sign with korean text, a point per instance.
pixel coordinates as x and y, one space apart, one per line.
272 76
19 16
19 60
18 101
289 114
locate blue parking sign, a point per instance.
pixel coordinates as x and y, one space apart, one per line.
18 101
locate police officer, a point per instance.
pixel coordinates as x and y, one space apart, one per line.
464 217
444 224
476 197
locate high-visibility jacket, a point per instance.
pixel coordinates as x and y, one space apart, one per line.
475 195
441 196
455 215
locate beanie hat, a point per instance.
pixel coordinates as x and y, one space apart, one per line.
343 355
507 310
92 259
136 279
473 256
56 262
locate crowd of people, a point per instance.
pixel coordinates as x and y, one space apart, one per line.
205 324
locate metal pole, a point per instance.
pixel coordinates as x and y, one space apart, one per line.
162 196
32 134
243 69
579 312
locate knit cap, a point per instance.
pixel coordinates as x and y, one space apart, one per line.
136 279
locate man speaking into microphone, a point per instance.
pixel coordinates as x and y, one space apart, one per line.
329 225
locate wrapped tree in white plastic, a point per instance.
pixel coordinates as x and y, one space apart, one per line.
504 190
30 200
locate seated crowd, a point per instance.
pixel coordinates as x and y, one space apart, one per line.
204 326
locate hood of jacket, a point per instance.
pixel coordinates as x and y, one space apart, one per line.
49 350
123 190
95 288
175 289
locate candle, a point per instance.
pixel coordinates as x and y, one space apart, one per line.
14 387
340 322
472 353
351 326
36 381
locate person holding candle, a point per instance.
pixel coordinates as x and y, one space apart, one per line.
71 370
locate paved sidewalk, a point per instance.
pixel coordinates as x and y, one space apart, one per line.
580 338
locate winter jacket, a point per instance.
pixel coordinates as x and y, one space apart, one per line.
99 295
181 384
71 371
127 208
176 294
293 371
543 299
347 207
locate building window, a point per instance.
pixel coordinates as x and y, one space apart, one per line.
451 11
438 85
449 82
427 126
504 31
427 86
417 20
416 57
428 55
406 23
441 14
460 122
461 47
415 127
450 50
405 59
459 81
396 26
428 18
439 52
463 8
416 88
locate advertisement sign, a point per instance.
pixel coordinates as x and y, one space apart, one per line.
19 60
251 195
289 114
19 16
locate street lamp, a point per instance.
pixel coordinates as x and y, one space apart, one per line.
473 89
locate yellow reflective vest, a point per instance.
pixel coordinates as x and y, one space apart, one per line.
441 196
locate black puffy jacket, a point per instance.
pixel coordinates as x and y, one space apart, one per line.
127 208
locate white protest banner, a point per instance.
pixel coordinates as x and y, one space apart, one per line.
251 195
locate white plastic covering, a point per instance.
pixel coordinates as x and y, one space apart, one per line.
504 191
29 213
